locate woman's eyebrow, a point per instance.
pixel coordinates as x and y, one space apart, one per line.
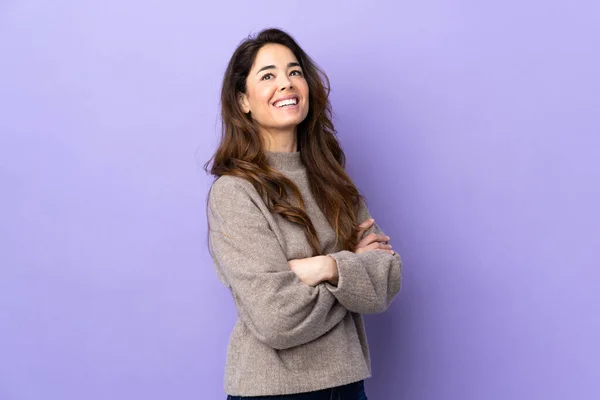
292 64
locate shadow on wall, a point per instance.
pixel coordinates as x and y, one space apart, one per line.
393 355
407 335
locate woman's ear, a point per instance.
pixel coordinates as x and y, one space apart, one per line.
243 102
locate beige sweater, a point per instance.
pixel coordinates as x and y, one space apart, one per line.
291 337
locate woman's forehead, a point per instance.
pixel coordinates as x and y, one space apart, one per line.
274 54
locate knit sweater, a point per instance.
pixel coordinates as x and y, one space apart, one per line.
291 337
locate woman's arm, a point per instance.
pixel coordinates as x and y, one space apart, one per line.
279 310
314 270
367 282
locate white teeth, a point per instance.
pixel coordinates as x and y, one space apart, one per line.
287 102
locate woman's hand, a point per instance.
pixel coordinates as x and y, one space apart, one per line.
314 270
372 241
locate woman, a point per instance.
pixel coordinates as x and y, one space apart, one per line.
289 233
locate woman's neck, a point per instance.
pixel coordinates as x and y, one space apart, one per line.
282 142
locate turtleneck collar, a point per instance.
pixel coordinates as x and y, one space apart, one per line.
285 161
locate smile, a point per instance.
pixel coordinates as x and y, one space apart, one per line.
287 103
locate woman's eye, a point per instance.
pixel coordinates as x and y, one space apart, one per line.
264 77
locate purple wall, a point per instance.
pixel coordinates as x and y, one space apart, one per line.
473 128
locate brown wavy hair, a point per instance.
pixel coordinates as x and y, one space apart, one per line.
241 150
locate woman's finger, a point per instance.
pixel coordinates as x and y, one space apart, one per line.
379 245
363 227
366 223
375 246
373 238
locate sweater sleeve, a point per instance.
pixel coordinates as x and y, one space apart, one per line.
369 281
277 307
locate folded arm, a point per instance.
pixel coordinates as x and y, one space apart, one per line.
280 311
369 281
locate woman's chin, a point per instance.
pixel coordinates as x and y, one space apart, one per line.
287 124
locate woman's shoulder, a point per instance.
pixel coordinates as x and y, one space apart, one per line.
231 189
232 183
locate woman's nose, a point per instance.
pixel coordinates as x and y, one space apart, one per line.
284 83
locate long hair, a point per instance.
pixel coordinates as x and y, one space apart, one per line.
240 152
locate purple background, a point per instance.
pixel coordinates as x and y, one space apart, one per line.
472 127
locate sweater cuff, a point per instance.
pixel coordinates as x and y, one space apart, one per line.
353 281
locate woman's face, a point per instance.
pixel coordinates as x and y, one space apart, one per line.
276 76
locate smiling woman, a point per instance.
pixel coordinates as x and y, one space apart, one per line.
272 109
290 234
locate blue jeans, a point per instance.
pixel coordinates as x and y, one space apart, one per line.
352 391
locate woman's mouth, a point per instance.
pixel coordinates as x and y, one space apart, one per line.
288 103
